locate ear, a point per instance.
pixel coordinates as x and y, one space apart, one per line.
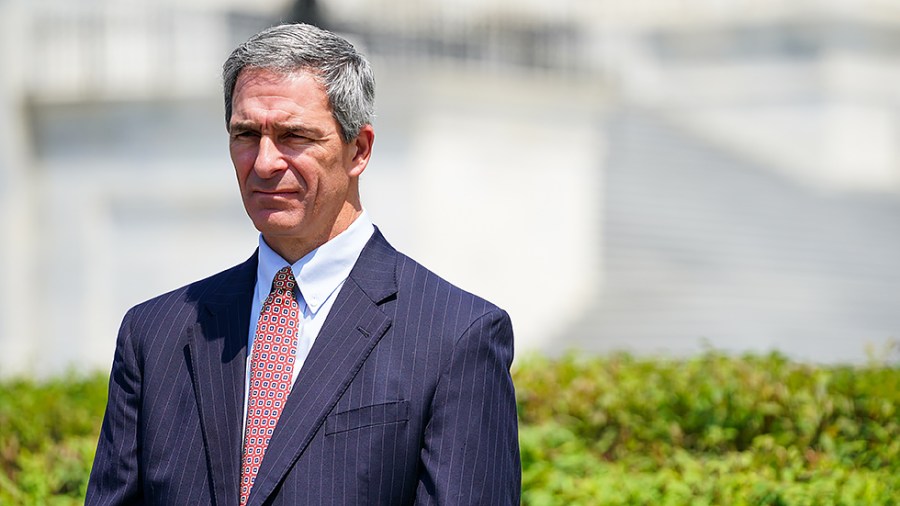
360 150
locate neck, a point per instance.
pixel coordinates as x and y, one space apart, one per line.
294 248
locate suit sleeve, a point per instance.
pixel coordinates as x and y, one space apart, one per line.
115 475
470 453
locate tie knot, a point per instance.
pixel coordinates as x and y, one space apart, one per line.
284 280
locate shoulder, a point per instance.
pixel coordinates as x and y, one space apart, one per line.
418 280
382 271
434 306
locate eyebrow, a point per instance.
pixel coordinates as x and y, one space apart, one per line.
243 126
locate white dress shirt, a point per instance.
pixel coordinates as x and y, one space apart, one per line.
320 275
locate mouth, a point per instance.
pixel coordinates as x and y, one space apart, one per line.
275 193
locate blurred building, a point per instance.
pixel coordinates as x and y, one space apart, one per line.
653 175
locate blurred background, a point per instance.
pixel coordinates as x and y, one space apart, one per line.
657 176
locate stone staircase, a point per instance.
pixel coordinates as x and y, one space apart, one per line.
703 248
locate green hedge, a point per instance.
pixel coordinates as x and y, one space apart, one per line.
48 434
709 430
594 431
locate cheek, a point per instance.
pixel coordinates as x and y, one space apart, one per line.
242 159
311 171
241 164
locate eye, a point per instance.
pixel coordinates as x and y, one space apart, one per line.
296 136
243 134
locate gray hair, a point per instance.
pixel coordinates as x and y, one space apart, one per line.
345 73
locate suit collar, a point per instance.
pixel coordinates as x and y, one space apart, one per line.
375 272
217 349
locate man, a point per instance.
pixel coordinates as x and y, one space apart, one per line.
328 368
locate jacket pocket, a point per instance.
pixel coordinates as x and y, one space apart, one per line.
367 416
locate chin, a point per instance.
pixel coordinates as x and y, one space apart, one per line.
275 220
279 229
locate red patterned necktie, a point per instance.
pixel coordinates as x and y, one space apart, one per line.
271 367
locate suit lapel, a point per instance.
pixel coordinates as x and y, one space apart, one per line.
217 352
351 331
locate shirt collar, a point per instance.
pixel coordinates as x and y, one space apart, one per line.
322 270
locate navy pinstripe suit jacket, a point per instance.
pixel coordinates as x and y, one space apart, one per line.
405 398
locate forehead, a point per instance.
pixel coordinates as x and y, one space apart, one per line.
297 91
261 75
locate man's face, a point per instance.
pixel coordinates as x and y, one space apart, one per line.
298 178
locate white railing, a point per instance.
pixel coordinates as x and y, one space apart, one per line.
111 50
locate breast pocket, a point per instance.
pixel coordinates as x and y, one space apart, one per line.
367 416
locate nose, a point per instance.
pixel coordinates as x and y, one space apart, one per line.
269 159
